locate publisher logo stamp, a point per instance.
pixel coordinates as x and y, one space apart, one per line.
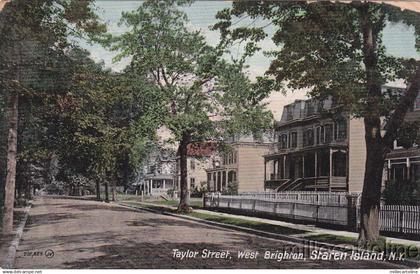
49 253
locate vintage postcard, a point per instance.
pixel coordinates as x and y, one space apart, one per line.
181 134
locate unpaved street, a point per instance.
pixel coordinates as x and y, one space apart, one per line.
67 233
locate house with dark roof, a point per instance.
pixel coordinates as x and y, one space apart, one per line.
318 147
159 173
200 156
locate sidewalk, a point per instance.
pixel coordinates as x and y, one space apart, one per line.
311 229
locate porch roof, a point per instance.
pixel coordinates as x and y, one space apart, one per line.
306 149
159 177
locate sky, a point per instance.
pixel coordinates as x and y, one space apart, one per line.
399 41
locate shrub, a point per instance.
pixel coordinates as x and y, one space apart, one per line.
402 192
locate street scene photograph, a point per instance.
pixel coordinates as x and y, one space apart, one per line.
224 135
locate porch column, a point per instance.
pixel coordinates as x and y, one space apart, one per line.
164 184
226 178
408 164
150 186
265 170
331 171
284 166
388 172
303 166
316 164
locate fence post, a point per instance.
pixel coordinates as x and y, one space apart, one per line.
352 211
400 223
204 199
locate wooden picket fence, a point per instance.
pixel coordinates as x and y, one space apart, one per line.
332 198
326 208
398 218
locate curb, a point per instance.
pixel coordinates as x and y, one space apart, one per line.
11 251
284 238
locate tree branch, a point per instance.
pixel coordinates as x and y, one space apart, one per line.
403 106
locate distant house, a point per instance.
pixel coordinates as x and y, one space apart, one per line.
240 167
318 148
159 173
200 156
403 164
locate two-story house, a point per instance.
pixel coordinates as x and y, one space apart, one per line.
240 167
318 148
403 164
159 173
200 156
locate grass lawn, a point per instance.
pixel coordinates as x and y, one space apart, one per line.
227 220
332 239
194 202
248 224
324 238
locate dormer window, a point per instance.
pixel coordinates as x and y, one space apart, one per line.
417 103
289 112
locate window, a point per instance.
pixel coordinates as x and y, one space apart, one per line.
341 130
323 163
317 135
339 164
283 141
192 183
289 113
192 164
308 137
328 133
417 103
310 107
309 164
322 135
293 139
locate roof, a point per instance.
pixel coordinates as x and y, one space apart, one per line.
201 149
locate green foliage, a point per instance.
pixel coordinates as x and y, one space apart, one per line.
196 83
320 47
232 189
402 193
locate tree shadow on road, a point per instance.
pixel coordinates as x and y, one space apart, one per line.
50 218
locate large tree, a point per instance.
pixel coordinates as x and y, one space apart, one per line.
336 49
35 36
100 123
196 83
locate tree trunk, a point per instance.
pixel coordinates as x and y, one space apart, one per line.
98 190
12 117
106 192
114 190
126 164
184 204
28 192
371 195
375 148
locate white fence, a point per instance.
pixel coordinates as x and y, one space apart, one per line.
326 208
332 198
322 211
398 218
